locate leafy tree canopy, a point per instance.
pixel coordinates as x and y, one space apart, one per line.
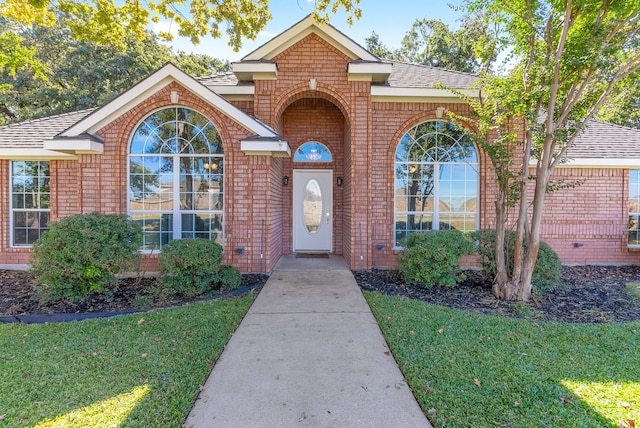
112 21
68 74
567 60
431 42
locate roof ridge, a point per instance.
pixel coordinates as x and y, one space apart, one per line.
628 128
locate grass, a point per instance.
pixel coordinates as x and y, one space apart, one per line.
141 370
634 289
482 371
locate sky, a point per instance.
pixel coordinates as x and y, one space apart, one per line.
390 19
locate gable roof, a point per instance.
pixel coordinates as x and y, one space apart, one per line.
65 136
302 29
161 78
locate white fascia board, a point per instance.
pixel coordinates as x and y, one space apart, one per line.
390 94
301 30
13 153
370 72
273 148
597 163
247 71
161 78
75 145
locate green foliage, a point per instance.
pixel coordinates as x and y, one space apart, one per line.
546 273
431 42
230 277
86 374
60 86
80 255
111 22
431 258
476 370
191 267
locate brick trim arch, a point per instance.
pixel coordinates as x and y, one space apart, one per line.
302 91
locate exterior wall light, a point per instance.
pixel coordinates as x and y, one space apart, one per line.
240 250
285 180
339 181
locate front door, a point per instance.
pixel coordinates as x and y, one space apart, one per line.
312 210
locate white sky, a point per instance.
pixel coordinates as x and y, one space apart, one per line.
390 19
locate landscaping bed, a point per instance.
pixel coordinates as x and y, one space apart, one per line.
587 294
17 296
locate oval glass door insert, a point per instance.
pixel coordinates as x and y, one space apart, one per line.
312 206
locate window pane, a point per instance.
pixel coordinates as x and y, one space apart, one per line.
634 207
634 230
159 195
30 184
436 180
157 229
312 152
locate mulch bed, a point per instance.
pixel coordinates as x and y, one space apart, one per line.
587 294
17 296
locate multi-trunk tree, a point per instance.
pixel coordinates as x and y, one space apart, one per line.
566 59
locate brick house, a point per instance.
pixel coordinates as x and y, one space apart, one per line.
311 144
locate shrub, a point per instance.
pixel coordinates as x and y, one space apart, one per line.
190 267
230 277
546 273
431 258
81 254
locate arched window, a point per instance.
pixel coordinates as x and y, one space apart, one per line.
176 176
436 180
312 151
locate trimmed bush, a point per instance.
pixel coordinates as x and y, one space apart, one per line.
230 278
546 273
80 255
432 257
190 267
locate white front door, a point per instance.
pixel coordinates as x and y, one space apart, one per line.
312 210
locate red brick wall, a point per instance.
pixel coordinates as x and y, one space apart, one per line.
314 119
362 137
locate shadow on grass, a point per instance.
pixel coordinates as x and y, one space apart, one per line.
144 369
474 370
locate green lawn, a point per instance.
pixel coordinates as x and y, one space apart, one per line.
139 370
483 371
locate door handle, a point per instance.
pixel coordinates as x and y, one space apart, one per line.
327 215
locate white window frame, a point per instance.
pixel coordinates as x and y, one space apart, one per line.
635 184
435 221
176 210
13 210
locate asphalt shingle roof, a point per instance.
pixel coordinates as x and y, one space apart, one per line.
606 141
406 75
226 79
32 132
403 75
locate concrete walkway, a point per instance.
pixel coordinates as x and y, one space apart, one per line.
309 353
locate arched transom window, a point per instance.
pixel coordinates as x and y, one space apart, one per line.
312 151
176 176
436 180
